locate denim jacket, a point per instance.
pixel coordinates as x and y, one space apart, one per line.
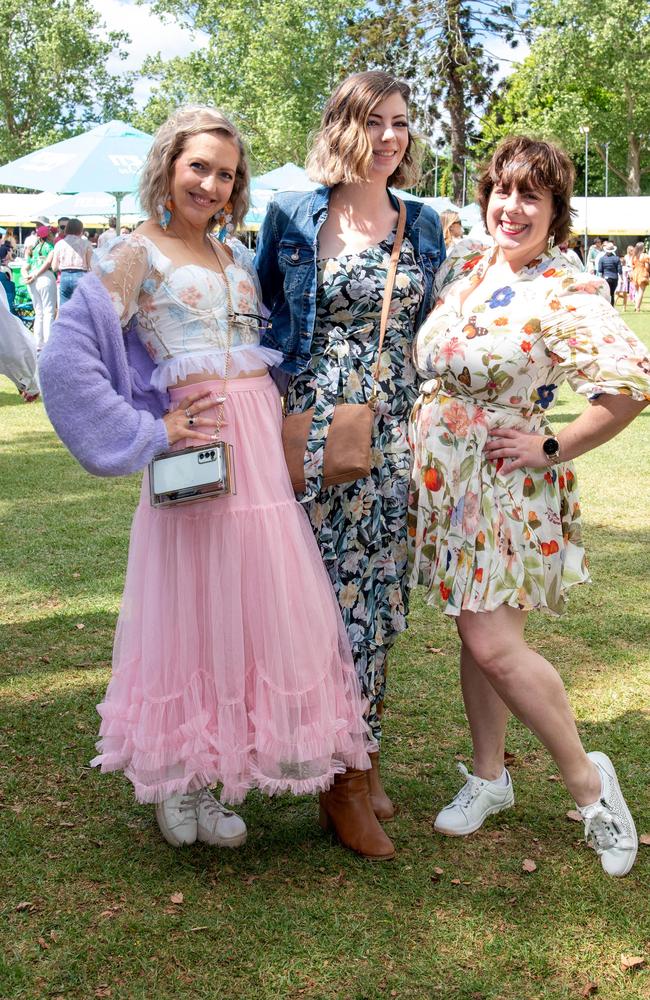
287 250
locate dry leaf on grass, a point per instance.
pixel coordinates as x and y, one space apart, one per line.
25 905
574 816
589 990
554 777
177 898
80 625
632 962
103 991
45 946
455 881
528 865
645 839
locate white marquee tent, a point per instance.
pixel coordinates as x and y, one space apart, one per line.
612 216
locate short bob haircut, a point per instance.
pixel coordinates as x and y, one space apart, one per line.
341 151
169 142
74 227
531 165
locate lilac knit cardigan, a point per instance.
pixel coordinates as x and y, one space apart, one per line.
95 384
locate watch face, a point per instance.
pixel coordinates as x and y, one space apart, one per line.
551 446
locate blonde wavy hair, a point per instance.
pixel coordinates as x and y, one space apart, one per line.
169 142
341 151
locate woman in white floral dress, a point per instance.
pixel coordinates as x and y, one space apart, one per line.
494 511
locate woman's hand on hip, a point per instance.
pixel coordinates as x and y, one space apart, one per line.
187 422
518 449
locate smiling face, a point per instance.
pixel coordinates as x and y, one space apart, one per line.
203 177
388 132
519 222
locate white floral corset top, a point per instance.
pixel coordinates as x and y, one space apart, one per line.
182 311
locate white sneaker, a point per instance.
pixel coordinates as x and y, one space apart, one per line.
609 827
477 799
177 818
217 825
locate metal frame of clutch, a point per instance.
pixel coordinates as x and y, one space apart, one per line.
192 474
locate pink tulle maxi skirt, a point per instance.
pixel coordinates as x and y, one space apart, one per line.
231 662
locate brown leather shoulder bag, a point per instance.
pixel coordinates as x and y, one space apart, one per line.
349 438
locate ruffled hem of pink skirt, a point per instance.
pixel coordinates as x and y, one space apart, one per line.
231 663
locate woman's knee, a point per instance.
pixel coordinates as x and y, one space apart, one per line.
492 649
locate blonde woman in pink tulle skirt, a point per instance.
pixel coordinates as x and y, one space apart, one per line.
231 663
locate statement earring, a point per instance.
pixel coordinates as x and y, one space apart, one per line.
551 241
165 213
223 220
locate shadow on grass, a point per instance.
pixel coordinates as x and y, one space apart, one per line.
11 399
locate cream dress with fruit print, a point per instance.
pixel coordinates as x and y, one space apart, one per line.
478 538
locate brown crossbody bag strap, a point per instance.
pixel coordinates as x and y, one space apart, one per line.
346 455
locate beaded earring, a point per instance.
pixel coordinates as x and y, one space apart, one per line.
223 219
551 241
165 213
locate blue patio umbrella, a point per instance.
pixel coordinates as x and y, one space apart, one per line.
107 158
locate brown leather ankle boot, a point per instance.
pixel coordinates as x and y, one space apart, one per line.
345 810
382 806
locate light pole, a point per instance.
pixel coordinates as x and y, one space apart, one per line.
464 180
584 130
606 169
435 182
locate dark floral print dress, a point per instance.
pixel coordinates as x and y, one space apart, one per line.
361 526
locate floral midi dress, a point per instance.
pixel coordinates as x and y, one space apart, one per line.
480 538
361 527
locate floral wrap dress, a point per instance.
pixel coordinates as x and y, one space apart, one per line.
479 538
361 527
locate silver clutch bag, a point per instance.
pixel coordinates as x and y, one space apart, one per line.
192 474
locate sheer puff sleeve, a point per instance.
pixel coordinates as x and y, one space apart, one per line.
591 344
125 268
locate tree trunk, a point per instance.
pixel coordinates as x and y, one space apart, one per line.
455 58
633 182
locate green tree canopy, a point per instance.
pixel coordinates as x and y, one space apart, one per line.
55 82
269 65
586 67
443 48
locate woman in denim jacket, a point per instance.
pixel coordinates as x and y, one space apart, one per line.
322 260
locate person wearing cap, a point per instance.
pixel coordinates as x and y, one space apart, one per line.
42 284
610 268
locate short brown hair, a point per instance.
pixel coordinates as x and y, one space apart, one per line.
341 151
168 144
74 227
531 164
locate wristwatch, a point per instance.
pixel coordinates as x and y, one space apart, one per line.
551 449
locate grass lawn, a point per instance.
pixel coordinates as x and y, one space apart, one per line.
86 882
